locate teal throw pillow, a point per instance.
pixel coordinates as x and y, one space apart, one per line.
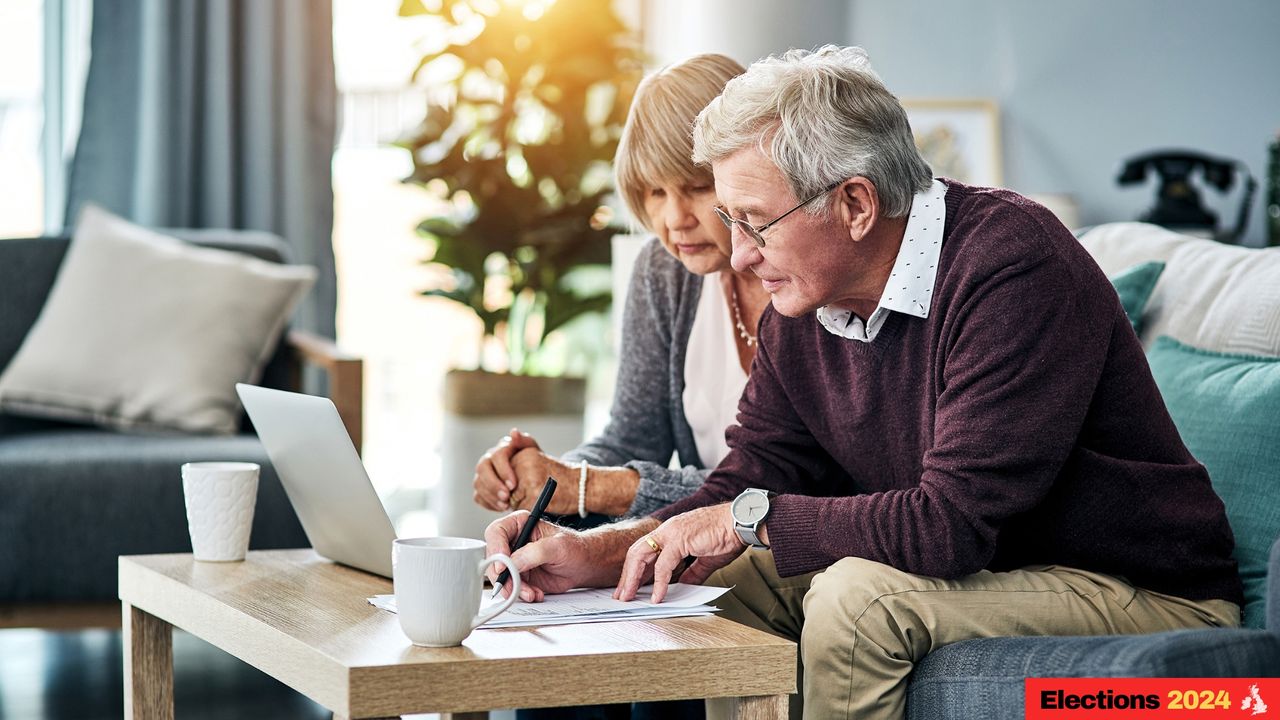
1226 408
1134 286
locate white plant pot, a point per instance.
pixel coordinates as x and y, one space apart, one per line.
480 408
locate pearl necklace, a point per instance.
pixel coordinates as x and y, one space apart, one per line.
737 318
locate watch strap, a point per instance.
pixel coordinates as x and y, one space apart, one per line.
748 535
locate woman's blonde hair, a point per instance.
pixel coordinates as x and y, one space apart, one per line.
657 143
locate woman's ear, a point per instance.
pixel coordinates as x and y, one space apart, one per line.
858 205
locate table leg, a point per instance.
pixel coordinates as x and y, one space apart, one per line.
148 665
760 707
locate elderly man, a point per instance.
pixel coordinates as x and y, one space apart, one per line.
950 430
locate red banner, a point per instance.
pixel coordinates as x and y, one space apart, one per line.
1151 698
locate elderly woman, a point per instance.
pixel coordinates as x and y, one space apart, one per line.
688 328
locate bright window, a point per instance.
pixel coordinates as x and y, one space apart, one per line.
21 117
407 341
44 56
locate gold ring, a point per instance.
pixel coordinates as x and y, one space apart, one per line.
653 544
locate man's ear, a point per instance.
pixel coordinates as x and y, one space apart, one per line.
858 205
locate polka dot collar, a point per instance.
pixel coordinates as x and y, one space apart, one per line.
910 287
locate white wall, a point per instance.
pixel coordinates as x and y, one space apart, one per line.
1085 83
745 30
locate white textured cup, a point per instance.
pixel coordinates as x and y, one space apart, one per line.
439 589
220 498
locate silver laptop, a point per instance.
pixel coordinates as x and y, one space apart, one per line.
323 477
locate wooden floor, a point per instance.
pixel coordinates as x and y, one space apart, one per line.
77 676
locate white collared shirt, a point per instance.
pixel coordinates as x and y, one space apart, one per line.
910 286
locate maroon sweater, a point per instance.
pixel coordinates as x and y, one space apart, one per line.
1018 424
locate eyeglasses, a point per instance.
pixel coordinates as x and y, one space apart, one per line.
757 233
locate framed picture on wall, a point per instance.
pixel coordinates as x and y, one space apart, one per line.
959 138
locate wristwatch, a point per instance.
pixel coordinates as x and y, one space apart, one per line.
749 510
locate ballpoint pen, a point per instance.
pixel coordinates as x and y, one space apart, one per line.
523 539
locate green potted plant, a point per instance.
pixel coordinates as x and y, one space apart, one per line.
530 100
522 144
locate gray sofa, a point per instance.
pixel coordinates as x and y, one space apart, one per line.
985 678
75 497
1209 296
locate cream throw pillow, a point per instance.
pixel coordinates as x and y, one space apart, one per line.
142 331
1212 296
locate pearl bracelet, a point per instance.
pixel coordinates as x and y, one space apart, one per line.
582 489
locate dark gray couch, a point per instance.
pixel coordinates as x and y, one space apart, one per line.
75 497
985 678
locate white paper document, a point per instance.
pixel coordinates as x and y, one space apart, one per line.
593 605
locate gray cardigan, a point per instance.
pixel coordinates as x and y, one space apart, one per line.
647 421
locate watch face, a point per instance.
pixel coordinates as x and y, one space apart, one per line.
750 507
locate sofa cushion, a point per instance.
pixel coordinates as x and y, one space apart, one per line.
1210 295
1273 590
1119 246
143 331
75 499
27 269
1134 287
1227 409
1219 297
985 678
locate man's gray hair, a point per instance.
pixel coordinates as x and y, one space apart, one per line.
821 117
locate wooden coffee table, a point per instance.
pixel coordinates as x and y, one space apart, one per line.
305 622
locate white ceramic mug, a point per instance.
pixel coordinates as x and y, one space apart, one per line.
220 497
439 589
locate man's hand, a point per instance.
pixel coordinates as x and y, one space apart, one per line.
550 563
559 559
706 534
495 479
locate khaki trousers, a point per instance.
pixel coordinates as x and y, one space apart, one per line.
862 625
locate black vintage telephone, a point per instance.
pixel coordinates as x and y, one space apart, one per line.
1178 204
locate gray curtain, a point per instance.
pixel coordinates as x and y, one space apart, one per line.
218 114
